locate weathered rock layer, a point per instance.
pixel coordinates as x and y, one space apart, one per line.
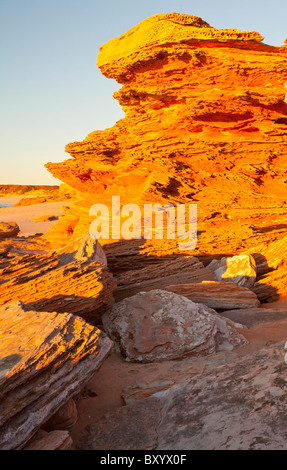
239 406
205 123
45 359
74 279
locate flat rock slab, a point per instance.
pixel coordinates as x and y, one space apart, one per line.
45 359
252 317
236 406
217 295
183 269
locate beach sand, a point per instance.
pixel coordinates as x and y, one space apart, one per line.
23 215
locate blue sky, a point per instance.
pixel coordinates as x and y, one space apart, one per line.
52 92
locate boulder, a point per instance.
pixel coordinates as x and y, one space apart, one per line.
240 269
46 358
8 229
157 325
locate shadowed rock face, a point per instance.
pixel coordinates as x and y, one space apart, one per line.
204 123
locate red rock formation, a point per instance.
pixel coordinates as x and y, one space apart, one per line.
64 419
8 230
75 279
18 189
54 440
205 123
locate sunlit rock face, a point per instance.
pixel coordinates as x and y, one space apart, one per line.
205 123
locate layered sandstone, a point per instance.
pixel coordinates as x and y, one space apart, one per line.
45 359
205 123
75 279
160 275
218 295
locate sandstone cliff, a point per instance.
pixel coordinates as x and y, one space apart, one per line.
205 123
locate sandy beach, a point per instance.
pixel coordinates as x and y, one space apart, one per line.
23 215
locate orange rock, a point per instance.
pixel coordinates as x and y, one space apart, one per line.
75 280
205 123
160 275
29 201
8 230
218 295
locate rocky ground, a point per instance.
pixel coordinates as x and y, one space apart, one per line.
168 345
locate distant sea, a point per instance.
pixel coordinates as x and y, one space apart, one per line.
6 204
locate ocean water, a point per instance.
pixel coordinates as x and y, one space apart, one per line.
6 204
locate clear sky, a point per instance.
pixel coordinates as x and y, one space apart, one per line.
52 92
